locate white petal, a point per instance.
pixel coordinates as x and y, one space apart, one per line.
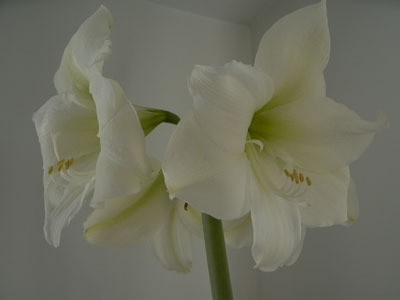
203 174
294 52
276 226
122 166
297 251
268 170
87 49
61 205
131 219
316 135
172 243
225 99
190 218
66 129
239 233
325 202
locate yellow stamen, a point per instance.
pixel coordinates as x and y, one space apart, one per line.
60 165
308 180
296 176
301 177
68 163
286 173
50 170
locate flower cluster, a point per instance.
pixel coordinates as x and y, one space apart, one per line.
264 149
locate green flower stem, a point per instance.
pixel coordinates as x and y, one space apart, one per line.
218 268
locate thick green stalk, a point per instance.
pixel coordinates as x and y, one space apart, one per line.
218 268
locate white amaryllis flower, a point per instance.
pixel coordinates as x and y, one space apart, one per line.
266 139
93 147
89 133
148 215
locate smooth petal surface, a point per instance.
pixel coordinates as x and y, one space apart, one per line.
86 52
131 219
66 129
239 233
190 218
62 203
318 134
122 165
276 226
62 125
225 99
203 174
294 52
173 241
325 201
296 252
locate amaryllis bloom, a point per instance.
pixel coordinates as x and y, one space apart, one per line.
67 125
147 216
264 142
93 147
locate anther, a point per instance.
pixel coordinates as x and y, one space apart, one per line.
68 163
185 206
50 170
296 184
296 176
301 177
60 165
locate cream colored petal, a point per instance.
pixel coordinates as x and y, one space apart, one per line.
224 100
66 129
269 171
122 166
130 219
208 177
325 201
319 134
190 217
297 251
294 52
276 226
239 233
61 205
172 242
86 51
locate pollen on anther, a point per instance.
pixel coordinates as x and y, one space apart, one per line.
286 172
50 170
301 177
308 180
68 163
60 165
296 176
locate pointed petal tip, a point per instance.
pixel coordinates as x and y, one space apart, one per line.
52 238
265 269
107 13
382 121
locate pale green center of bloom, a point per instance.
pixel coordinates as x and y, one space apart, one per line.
262 131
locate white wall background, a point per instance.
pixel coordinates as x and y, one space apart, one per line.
154 50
